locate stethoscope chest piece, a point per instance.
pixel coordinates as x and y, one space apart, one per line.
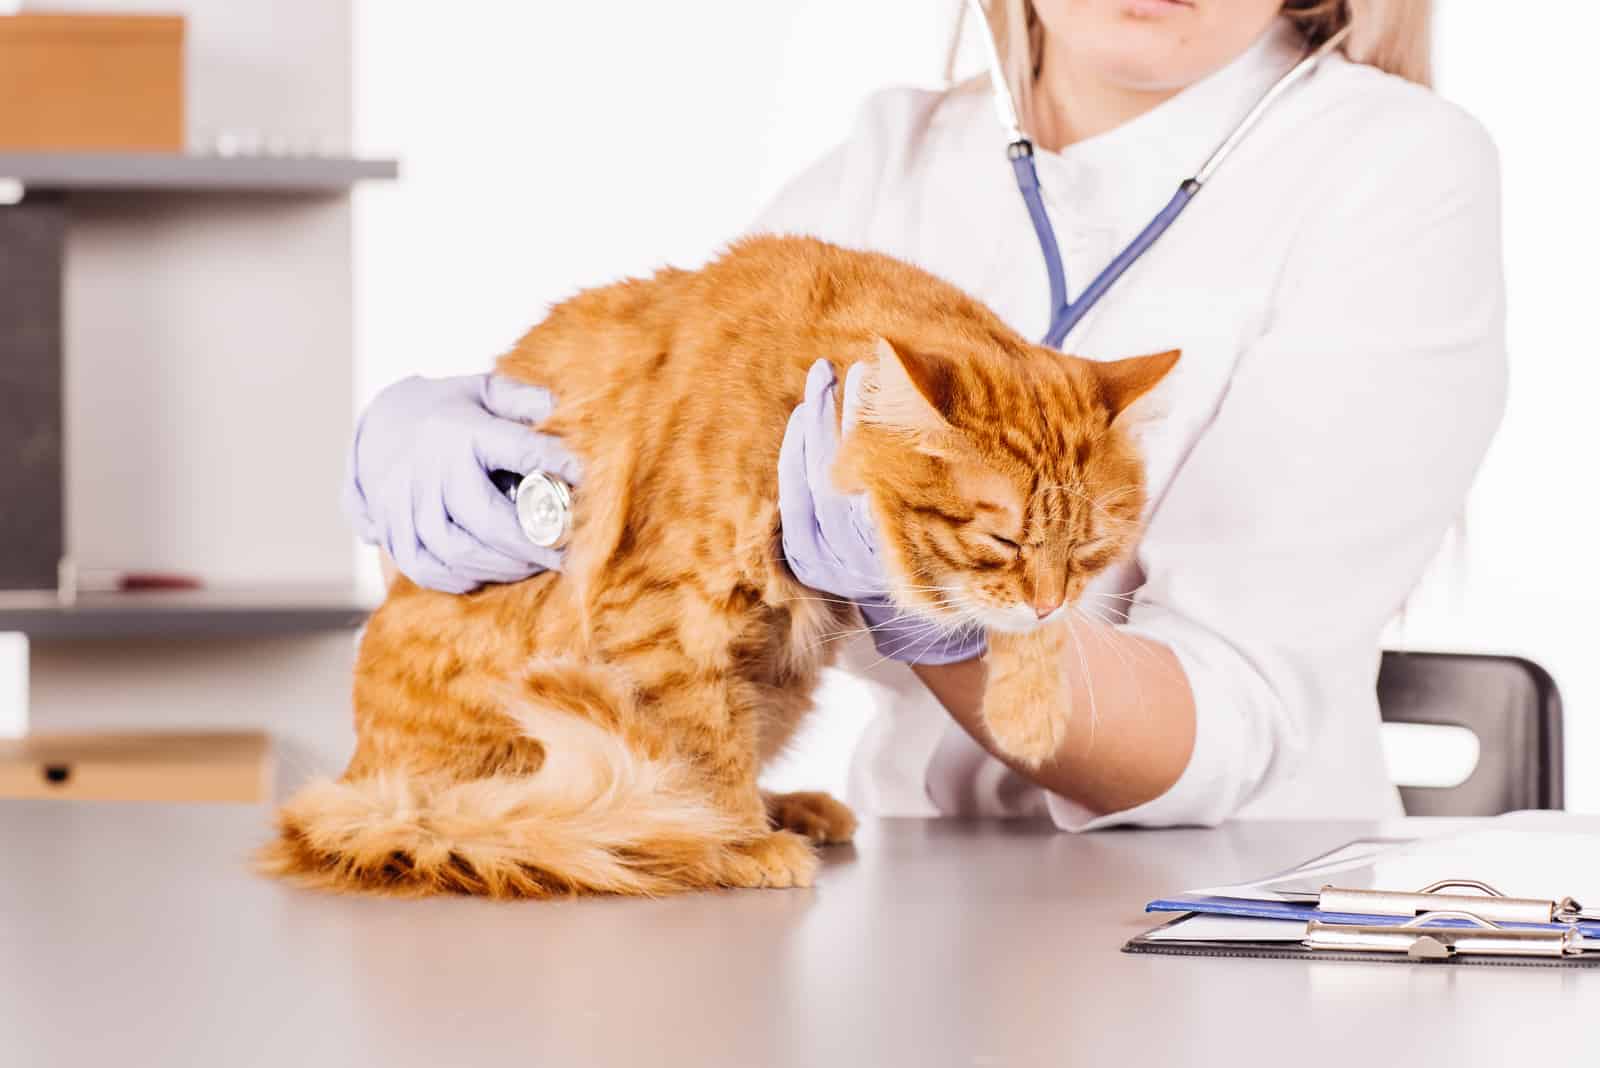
544 509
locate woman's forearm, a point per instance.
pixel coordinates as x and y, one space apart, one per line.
1132 725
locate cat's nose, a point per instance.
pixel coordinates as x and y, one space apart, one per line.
1043 606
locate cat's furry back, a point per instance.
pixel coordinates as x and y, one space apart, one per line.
602 730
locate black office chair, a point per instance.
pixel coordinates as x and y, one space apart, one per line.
1513 707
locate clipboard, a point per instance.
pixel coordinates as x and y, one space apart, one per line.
1354 904
1167 939
1357 905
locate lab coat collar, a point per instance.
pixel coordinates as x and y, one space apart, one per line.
1170 142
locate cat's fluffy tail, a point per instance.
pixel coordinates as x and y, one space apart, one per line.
597 817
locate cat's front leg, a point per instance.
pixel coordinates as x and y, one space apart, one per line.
819 816
1026 703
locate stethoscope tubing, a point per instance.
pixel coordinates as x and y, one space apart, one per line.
1064 313
551 525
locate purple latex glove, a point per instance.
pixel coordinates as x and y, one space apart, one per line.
418 482
830 540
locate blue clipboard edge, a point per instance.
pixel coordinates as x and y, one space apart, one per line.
1295 910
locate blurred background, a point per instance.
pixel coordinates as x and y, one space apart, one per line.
218 341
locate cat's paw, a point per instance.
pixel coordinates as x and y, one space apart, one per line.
814 814
1030 734
1025 704
778 860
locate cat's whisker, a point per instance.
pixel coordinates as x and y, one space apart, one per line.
947 599
821 600
1088 682
1100 623
894 653
925 586
1129 665
942 600
1133 655
847 632
1127 601
1100 614
1140 600
1113 495
1136 595
1099 504
835 636
1091 611
1138 652
921 638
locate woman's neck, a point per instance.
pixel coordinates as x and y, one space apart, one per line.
1072 105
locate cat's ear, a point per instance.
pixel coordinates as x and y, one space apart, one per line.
907 391
1124 381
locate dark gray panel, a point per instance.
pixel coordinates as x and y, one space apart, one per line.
32 531
1511 704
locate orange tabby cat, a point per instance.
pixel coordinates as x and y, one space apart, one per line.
602 730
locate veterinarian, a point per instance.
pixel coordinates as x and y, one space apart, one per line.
1337 293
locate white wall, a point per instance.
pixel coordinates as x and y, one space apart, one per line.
552 146
207 337
549 146
208 345
1531 574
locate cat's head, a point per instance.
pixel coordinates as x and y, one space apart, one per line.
1001 481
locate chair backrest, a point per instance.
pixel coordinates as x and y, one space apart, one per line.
1513 707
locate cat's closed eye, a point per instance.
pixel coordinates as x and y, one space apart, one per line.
1093 555
1005 545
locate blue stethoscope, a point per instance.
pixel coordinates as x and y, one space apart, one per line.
544 502
1064 313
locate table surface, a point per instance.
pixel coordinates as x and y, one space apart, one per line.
136 935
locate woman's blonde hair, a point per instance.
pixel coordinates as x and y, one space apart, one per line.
1392 35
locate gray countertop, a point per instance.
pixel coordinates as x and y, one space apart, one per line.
135 935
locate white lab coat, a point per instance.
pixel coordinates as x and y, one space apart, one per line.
1337 293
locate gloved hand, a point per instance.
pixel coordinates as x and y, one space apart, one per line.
830 540
418 482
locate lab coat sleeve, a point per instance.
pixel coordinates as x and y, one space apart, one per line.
1338 458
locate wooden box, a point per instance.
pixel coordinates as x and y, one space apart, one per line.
138 766
91 83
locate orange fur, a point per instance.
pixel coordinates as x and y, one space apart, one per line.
602 730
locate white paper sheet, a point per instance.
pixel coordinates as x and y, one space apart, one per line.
1202 928
1558 851
1539 864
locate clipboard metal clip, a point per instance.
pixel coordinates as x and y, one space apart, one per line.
1487 904
1419 941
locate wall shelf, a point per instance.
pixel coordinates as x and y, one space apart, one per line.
152 171
221 613
205 287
